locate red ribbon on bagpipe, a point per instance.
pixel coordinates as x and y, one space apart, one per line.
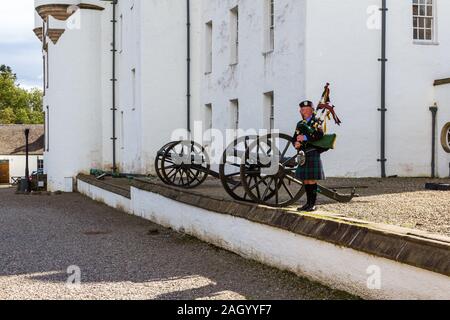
327 108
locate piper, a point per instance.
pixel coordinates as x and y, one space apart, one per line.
311 140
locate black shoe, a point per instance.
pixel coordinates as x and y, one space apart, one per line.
313 199
311 209
304 208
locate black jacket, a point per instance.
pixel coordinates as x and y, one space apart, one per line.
315 135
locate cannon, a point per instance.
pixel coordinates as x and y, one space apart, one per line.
256 169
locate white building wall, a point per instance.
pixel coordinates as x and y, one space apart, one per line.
163 74
324 41
74 100
158 52
281 71
344 51
129 113
151 72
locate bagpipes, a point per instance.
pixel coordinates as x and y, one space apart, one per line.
327 111
327 108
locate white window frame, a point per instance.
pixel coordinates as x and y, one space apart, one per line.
209 28
269 110
234 35
208 118
47 133
234 115
134 89
269 26
121 33
419 17
122 130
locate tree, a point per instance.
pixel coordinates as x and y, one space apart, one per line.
35 100
36 117
7 116
7 71
22 116
26 105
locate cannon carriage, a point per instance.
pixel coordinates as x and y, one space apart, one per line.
257 169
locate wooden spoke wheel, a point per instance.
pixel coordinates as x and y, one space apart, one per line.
268 172
159 160
445 138
230 168
185 164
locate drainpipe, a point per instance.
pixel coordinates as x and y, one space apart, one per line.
188 89
433 110
27 169
383 109
114 81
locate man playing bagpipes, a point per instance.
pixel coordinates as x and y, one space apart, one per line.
311 140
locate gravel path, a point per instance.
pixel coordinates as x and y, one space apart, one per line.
123 257
398 201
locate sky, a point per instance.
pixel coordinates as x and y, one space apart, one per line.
19 46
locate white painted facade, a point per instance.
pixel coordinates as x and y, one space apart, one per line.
349 62
73 96
315 41
324 41
151 75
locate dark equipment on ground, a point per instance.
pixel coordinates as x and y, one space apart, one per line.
437 186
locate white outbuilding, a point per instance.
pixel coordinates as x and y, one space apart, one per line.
13 151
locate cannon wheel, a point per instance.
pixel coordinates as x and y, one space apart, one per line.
159 160
185 164
230 166
268 174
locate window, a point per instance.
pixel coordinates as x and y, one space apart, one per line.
47 133
423 20
122 131
269 103
133 84
272 24
208 124
208 117
234 35
40 165
234 114
269 21
45 129
47 70
209 47
121 33
46 75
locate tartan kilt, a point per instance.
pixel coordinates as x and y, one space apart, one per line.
313 168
